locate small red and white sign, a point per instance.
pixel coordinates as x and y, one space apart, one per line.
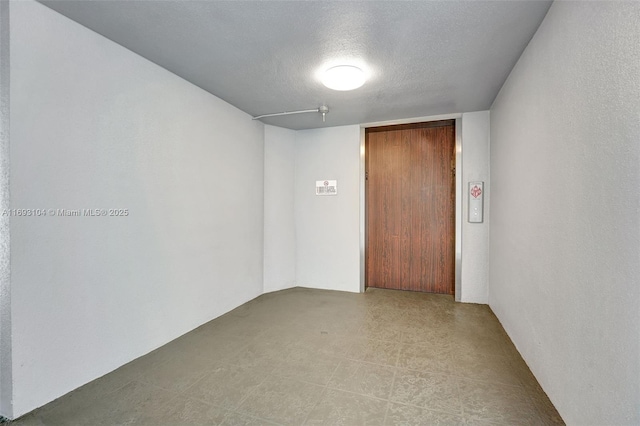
476 201
476 191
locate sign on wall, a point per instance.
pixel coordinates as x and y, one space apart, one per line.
326 187
476 197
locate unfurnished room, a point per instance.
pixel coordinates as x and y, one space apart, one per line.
319 212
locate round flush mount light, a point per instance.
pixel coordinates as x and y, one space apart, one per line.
343 77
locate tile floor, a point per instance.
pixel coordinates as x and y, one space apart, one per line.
317 357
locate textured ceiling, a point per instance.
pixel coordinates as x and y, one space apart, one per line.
424 57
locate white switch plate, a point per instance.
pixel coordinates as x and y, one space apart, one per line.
476 201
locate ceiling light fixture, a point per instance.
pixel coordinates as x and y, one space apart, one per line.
343 77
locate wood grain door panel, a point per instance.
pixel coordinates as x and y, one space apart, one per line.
410 207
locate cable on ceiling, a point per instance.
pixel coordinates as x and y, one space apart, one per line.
323 110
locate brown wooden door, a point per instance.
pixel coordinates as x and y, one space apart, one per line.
410 207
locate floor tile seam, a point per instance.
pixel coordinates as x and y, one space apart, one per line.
428 346
210 404
260 419
188 388
383 324
253 389
172 394
468 413
314 405
493 421
395 372
386 414
230 355
149 383
482 358
518 387
424 357
98 396
154 386
225 333
332 334
393 383
521 388
432 410
308 382
177 357
360 337
272 375
362 361
352 342
203 401
457 377
412 405
322 394
333 373
455 373
173 398
368 362
314 353
438 372
431 344
481 342
377 398
460 403
228 363
391 401
239 365
218 362
396 342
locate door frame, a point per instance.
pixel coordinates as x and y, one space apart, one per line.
458 191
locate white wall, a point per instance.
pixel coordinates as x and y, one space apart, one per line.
475 236
5 276
279 222
565 225
327 227
96 126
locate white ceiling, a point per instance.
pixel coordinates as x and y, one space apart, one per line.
424 57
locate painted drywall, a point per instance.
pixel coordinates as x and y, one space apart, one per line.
5 276
279 222
94 126
327 227
321 153
475 236
565 210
